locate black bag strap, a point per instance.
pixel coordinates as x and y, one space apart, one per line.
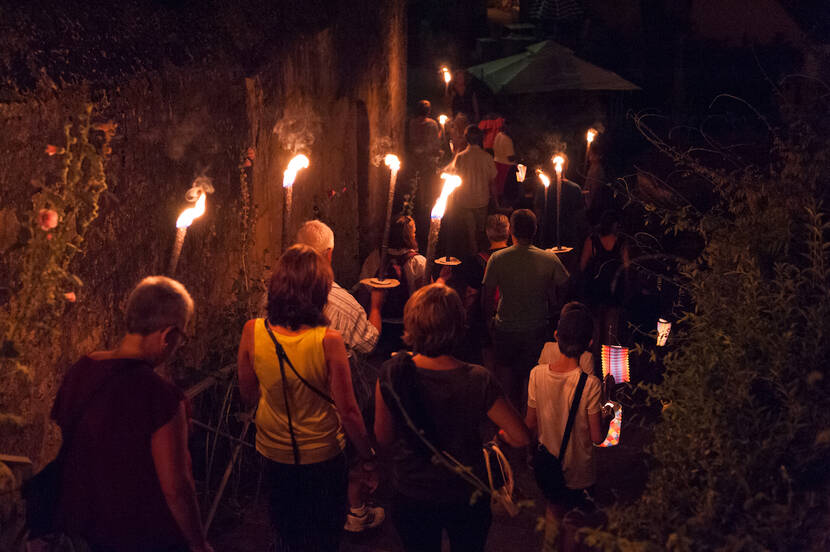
283 359
281 354
583 377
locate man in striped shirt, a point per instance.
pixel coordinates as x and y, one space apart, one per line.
360 335
343 311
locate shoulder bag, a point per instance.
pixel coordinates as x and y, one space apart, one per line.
547 468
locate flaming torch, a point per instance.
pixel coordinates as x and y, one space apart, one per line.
443 120
558 163
185 219
589 139
297 163
451 182
445 71
391 160
546 183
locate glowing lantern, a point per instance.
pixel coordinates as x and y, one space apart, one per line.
612 439
521 171
615 362
663 330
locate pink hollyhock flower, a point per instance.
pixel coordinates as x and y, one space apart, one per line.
251 153
47 219
247 163
70 296
52 150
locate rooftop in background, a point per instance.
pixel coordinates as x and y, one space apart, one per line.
547 67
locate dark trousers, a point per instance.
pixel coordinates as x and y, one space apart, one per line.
419 524
307 504
516 355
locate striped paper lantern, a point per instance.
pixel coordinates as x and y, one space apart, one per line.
613 437
615 362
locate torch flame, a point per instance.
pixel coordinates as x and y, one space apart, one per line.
543 177
391 160
191 213
447 75
558 161
296 164
443 119
451 182
591 135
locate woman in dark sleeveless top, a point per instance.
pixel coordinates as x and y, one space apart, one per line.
604 267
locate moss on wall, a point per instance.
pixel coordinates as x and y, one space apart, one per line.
332 85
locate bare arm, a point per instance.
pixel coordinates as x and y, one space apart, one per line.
375 318
248 382
171 458
384 425
513 430
340 382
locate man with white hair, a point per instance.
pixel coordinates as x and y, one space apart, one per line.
343 311
361 335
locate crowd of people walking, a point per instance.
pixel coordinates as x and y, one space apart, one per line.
466 355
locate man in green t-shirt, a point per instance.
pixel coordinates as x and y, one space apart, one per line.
526 278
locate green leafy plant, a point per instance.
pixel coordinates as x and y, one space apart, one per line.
742 450
62 212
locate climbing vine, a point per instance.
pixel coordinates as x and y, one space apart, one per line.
54 233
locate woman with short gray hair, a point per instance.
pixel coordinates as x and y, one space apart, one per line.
125 475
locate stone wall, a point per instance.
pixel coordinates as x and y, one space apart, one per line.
335 92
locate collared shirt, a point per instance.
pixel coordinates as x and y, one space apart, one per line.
347 317
477 170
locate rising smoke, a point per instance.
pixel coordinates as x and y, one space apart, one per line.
299 126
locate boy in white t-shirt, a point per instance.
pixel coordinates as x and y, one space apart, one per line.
551 390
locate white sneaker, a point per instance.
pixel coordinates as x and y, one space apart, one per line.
371 517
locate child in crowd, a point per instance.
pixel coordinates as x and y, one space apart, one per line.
552 389
551 353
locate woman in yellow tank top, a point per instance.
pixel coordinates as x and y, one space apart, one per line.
296 371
